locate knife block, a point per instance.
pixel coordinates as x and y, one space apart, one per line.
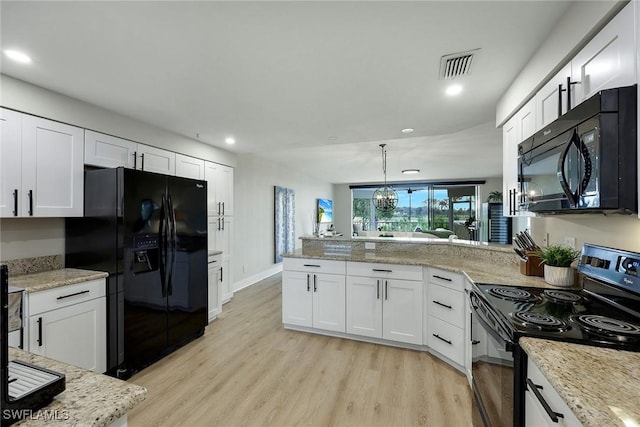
532 266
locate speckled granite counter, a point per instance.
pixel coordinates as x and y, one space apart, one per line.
499 268
90 399
53 279
601 386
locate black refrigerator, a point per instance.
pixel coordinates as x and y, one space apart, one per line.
149 232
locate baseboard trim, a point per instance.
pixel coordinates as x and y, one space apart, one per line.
248 281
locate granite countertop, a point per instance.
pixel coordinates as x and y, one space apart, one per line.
90 399
416 240
476 271
600 385
53 279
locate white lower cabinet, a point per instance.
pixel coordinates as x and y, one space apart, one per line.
445 320
215 286
543 404
382 306
69 324
313 298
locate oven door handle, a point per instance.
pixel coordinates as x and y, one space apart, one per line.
496 331
550 412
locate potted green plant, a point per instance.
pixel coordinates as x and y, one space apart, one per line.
557 261
495 196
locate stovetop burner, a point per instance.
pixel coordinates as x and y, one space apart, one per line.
512 294
613 328
540 321
562 297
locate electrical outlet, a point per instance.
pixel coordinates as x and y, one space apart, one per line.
570 241
371 246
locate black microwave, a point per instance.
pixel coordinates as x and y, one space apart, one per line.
583 162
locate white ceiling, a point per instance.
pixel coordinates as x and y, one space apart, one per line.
285 77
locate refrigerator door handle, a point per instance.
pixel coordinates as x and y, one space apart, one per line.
163 246
173 238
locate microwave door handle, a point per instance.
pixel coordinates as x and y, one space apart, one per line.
562 178
587 166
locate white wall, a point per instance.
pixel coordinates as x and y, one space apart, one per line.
617 231
579 23
254 181
25 97
31 237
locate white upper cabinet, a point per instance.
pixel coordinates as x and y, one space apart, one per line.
10 162
109 151
42 163
608 60
551 100
220 189
153 159
521 126
189 167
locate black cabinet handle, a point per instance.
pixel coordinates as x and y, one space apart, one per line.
308 283
135 160
440 277
142 158
475 342
221 274
222 222
40 340
223 208
386 290
86 291
15 202
377 289
550 412
442 339
382 270
311 265
560 90
315 283
442 305
569 84
219 208
30 202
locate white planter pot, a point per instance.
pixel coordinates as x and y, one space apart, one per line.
559 276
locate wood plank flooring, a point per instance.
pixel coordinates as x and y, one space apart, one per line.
247 370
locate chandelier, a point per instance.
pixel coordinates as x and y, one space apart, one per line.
385 199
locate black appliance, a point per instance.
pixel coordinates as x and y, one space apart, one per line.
496 227
149 232
23 387
606 313
585 161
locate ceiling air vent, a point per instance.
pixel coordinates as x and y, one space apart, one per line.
456 64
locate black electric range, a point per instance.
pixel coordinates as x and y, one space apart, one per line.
605 313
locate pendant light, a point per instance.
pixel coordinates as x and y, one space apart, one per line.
385 199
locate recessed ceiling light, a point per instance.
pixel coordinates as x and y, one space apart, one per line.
407 130
410 171
18 56
229 140
453 90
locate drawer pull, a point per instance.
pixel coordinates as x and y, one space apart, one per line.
550 412
442 339
379 270
308 283
213 262
73 295
443 305
312 265
378 289
440 277
39 332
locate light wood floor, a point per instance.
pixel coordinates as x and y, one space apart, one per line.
247 370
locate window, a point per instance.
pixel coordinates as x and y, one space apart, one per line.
421 208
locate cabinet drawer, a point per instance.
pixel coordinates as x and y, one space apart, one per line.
446 339
550 395
446 304
386 271
446 278
40 302
314 265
